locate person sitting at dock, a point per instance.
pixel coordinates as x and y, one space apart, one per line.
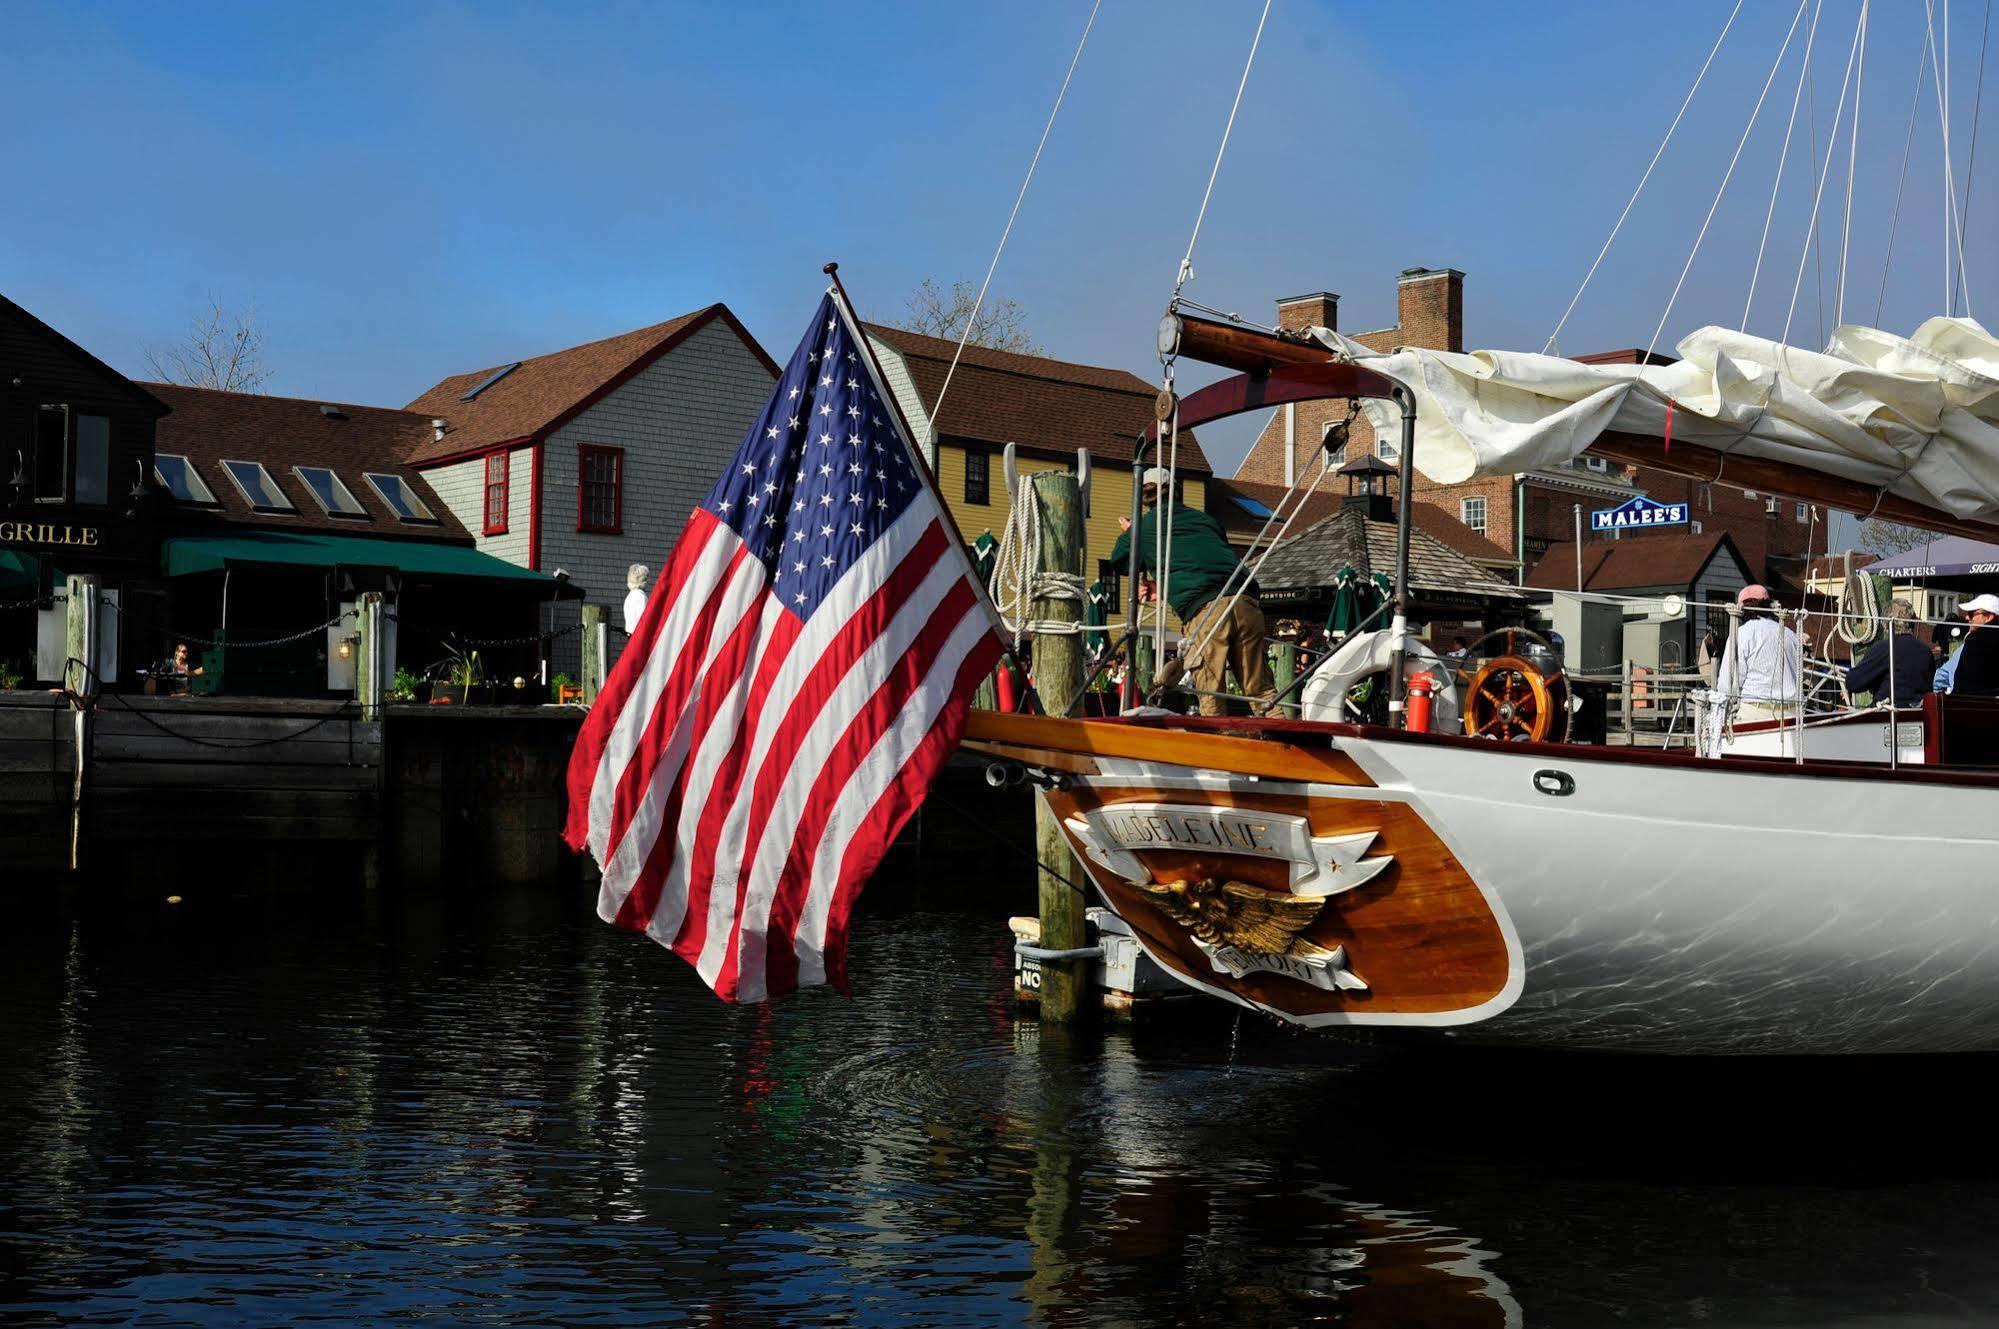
1911 669
182 664
1976 669
1759 666
1226 631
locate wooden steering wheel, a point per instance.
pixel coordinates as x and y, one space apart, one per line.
1512 700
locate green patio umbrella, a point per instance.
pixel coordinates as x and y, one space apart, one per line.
985 551
1354 598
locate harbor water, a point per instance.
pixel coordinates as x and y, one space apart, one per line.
265 1105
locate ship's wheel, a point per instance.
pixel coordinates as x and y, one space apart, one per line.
1518 695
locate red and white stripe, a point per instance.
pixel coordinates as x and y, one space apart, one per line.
744 771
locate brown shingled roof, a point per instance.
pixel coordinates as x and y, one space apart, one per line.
1052 405
542 394
208 427
1633 563
1348 539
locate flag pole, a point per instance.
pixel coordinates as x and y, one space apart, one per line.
923 470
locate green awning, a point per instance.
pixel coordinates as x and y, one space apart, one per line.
182 555
18 571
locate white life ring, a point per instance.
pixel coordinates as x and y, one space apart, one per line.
1325 692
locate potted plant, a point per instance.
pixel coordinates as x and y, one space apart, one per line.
407 687
564 690
10 677
464 681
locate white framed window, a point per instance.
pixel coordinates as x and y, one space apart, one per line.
1471 511
334 496
259 490
178 477
1334 456
1695 527
399 495
1597 464
1804 512
1387 448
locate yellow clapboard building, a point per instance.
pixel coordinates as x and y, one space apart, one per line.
1047 409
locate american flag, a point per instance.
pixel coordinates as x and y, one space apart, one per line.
802 670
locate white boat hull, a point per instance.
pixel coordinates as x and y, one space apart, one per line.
1702 908
1647 902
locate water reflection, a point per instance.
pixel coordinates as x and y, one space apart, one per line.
495 1109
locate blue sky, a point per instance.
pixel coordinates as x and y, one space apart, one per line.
407 191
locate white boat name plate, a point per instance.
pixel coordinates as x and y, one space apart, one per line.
1325 969
1320 865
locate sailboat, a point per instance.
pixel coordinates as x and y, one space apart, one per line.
1333 873
1828 885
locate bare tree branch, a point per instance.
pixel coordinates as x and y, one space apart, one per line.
1002 324
1888 538
218 350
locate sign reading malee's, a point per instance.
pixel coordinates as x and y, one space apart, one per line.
1638 512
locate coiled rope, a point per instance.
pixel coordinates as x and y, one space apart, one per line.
1859 602
1018 580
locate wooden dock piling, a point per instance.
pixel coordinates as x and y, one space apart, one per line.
1058 680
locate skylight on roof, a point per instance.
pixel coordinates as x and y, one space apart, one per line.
399 495
178 477
491 379
334 496
1252 507
257 486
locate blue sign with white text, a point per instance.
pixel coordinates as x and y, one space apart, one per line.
1639 512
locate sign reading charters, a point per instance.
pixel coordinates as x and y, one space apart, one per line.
1638 512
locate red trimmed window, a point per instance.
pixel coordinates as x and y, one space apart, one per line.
600 489
498 469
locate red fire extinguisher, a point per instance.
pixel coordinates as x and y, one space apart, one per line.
1422 688
1003 683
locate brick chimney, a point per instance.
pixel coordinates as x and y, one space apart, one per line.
1320 309
1431 305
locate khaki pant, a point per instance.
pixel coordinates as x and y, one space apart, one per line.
1237 644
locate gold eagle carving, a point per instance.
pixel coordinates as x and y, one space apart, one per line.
1234 913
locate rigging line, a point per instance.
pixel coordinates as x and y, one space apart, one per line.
1852 159
1971 158
1633 200
1729 174
1818 194
1783 156
1187 263
1818 275
1908 142
1953 224
972 320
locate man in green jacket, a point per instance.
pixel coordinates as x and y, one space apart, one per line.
1226 632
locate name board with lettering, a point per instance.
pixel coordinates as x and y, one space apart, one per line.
49 534
1639 512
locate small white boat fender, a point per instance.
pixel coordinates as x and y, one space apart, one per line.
1366 653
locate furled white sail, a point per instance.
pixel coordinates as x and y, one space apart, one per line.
1917 416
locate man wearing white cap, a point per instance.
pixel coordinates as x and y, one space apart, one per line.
1226 631
1977 672
1759 667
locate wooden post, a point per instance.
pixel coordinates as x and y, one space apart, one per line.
1058 680
1284 670
593 652
370 671
80 638
79 675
